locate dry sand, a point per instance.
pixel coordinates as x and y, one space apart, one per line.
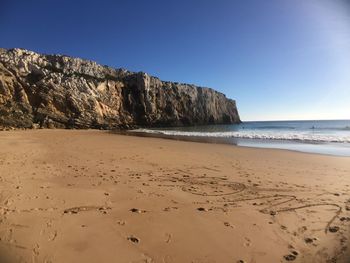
93 196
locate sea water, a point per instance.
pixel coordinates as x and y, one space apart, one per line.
315 136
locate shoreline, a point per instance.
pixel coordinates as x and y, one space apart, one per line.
250 143
93 196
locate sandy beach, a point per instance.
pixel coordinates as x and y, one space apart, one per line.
94 196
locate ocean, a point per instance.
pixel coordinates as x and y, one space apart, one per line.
330 137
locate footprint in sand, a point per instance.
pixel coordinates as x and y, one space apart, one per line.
75 210
228 224
53 236
121 222
35 250
134 239
167 209
333 229
247 242
136 210
347 205
308 240
168 237
290 257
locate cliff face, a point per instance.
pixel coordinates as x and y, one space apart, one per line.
59 91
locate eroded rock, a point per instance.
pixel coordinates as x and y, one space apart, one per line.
53 91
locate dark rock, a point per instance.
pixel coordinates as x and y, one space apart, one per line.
52 91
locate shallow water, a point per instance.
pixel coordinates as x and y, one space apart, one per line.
324 137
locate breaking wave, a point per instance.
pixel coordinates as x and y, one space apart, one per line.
264 135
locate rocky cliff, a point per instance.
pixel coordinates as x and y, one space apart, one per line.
59 91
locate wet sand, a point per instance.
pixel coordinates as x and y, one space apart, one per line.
93 196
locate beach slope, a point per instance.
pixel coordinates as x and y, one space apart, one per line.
93 196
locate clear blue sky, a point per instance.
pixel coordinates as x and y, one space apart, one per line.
279 59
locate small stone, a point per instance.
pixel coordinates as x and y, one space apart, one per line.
202 209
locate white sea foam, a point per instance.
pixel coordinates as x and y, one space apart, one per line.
265 135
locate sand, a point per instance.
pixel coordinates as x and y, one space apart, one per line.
93 196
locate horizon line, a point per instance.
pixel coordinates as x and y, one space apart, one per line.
297 120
